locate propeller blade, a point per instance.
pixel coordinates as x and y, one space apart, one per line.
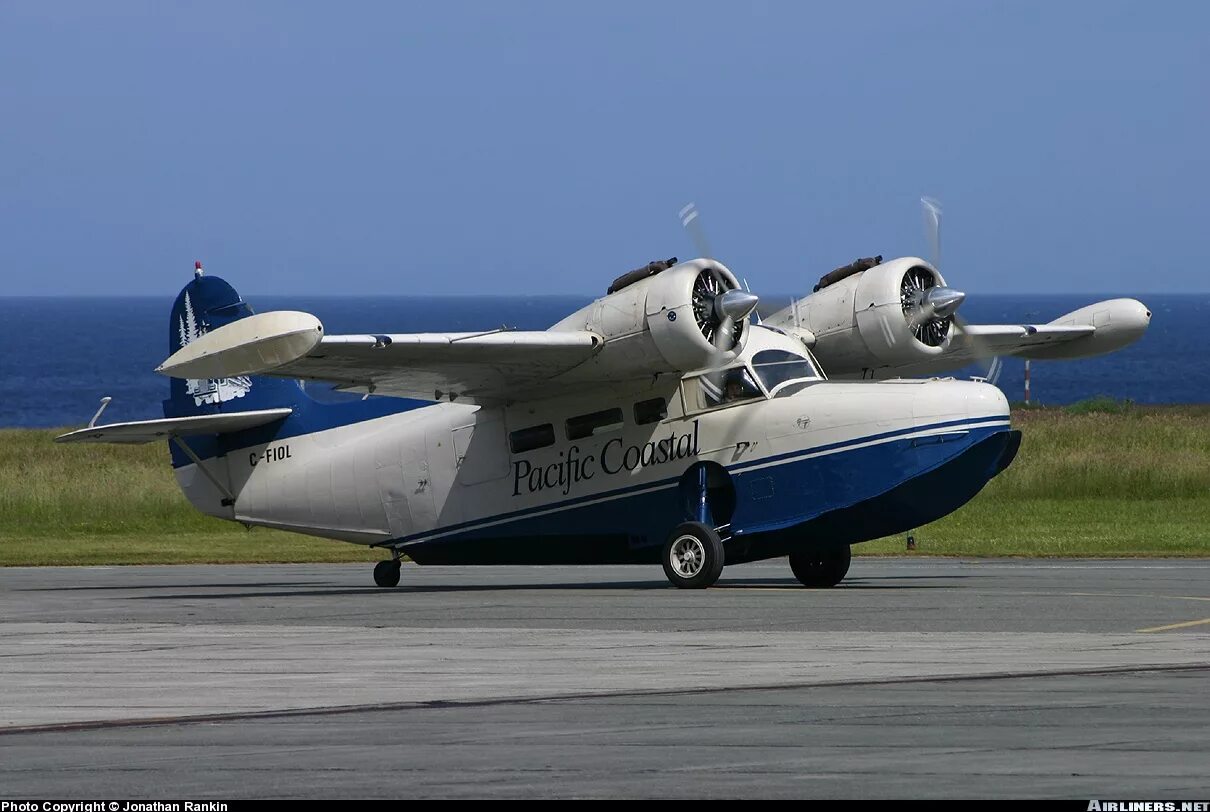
981 350
693 225
724 335
932 227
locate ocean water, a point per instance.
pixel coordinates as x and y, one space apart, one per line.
60 355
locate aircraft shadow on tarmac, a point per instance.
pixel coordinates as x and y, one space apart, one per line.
137 587
240 591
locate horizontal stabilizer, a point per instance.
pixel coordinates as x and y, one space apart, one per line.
149 431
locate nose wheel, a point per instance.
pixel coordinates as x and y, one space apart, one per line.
386 573
693 557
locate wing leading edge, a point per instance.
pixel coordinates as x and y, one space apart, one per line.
476 367
981 340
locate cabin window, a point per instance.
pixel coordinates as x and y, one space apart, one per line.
586 425
523 440
721 388
650 411
775 367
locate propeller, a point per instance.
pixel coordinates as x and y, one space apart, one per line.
930 309
943 302
731 308
689 219
719 309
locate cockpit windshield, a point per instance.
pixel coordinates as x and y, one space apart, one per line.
777 367
719 388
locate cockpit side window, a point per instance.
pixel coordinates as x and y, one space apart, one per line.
776 367
721 388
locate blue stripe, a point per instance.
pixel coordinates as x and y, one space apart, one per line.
886 435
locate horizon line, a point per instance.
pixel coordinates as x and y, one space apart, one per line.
520 295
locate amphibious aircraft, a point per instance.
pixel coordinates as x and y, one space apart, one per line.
659 423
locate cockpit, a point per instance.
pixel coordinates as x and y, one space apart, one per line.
773 365
778 369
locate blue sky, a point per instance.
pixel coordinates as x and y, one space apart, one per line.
465 147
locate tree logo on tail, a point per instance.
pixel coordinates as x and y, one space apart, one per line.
213 390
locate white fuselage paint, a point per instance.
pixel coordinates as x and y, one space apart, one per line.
415 474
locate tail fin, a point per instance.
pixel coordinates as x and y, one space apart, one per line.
203 305
208 303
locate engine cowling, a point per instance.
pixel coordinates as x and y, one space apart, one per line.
865 321
664 323
682 317
882 305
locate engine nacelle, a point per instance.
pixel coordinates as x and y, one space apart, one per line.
678 317
861 322
663 323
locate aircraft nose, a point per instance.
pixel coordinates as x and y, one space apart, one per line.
984 399
951 400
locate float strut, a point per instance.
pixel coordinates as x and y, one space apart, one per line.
703 503
228 496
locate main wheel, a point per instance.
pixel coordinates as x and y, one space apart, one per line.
693 557
821 566
386 573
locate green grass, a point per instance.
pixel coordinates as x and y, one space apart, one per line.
1102 404
1109 479
109 504
1098 478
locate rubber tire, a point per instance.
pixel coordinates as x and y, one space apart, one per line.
386 573
712 547
821 567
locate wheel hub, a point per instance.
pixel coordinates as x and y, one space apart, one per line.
688 556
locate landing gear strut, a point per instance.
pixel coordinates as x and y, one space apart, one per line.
693 557
820 567
386 573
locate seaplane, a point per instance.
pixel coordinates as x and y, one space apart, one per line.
661 423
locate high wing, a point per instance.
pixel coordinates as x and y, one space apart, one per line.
976 341
476 367
149 431
674 319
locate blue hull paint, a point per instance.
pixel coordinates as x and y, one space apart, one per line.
846 497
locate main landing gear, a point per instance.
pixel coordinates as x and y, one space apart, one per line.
821 567
386 573
693 557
